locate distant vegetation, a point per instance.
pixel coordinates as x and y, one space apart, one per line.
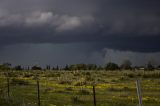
126 65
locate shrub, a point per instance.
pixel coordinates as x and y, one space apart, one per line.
122 78
27 75
80 83
46 90
65 82
84 92
88 73
75 99
77 74
151 75
130 75
69 89
89 78
114 89
2 92
15 81
111 66
53 75
9 102
111 89
126 88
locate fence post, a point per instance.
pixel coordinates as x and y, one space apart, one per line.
8 87
138 86
38 93
94 95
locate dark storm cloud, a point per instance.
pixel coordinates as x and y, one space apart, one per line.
117 24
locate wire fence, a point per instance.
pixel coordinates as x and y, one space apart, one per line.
44 92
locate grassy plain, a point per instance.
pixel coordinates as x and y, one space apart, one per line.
74 88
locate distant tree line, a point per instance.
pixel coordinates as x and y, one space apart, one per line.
126 65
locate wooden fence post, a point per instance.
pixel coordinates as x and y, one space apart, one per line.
138 86
94 96
38 93
8 87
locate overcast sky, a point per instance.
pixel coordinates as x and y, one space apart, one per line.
59 32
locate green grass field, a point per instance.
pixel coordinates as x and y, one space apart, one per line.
74 88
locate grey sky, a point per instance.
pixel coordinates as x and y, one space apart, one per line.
90 26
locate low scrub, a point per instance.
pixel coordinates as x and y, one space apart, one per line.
151 75
65 82
9 102
84 92
69 89
75 99
16 81
80 83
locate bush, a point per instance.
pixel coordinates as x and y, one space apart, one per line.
114 89
89 78
27 75
130 75
88 73
75 99
65 82
2 92
123 78
36 68
77 74
80 83
126 88
9 102
53 75
15 81
111 66
46 90
151 75
84 92
11 74
69 89
111 89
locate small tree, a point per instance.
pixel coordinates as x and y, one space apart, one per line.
81 66
5 66
126 65
36 68
100 68
66 67
57 68
150 66
28 68
53 68
111 66
78 67
92 67
48 67
18 67
72 67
